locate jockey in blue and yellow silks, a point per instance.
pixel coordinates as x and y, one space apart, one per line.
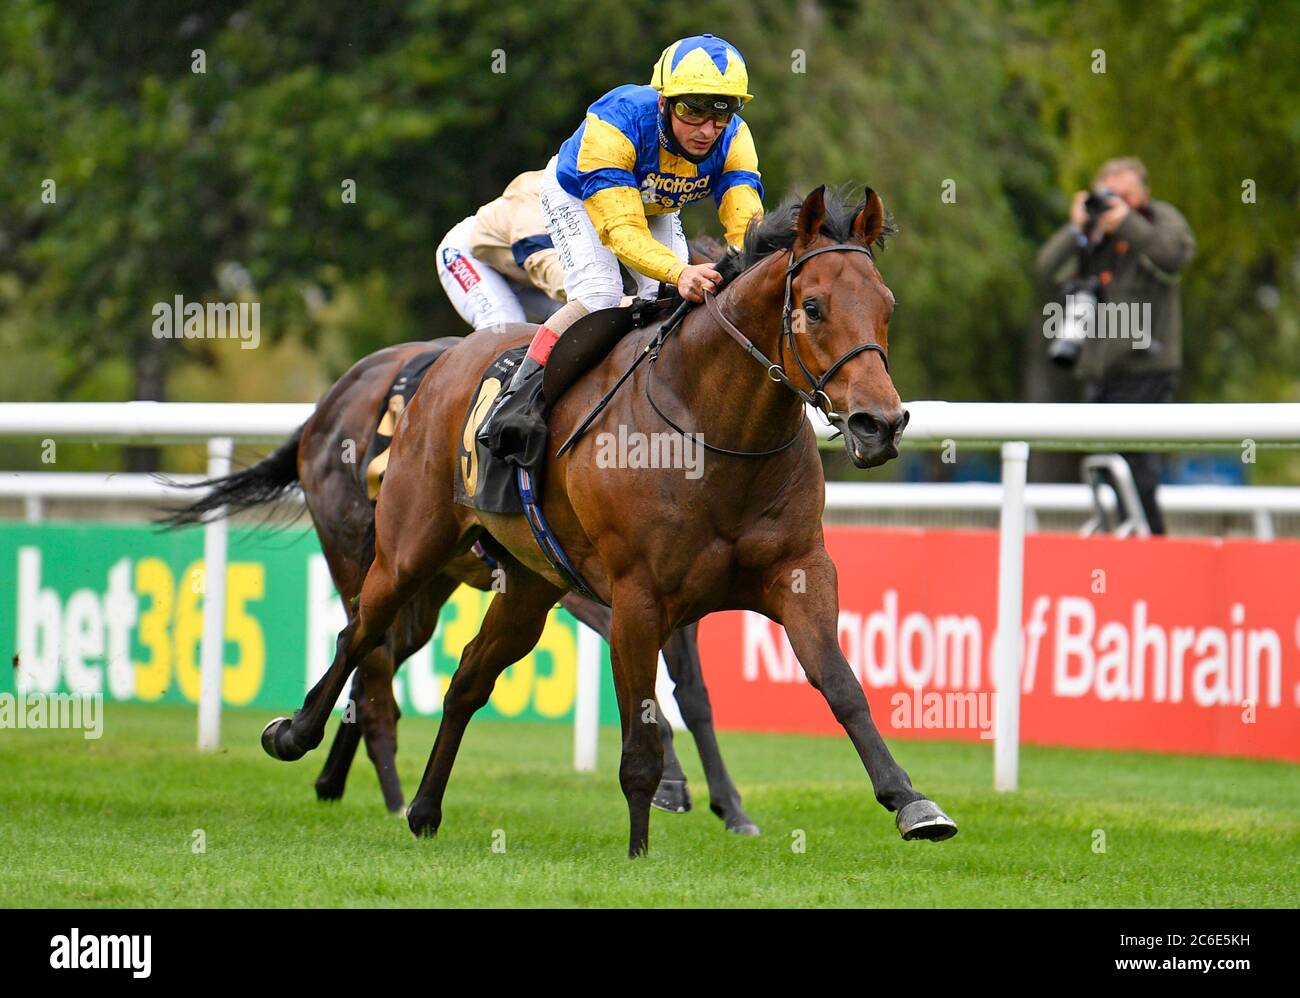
625 166
614 190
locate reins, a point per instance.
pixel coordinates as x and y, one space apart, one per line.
775 371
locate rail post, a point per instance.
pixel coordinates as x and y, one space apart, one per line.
1011 578
215 536
586 708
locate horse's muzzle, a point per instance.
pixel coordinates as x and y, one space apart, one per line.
871 438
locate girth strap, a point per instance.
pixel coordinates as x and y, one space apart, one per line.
546 540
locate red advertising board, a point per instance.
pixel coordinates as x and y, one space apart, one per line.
1162 644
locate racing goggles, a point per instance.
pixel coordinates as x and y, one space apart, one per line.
698 110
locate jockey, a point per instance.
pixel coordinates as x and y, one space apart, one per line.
485 259
614 190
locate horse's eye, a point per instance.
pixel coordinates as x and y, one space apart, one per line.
811 312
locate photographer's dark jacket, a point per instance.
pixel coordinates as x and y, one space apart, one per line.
1140 262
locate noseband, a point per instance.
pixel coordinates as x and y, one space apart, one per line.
776 372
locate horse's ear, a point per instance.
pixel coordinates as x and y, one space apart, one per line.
870 219
812 213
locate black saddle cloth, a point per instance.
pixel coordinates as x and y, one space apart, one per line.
396 398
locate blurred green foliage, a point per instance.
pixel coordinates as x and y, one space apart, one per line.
227 183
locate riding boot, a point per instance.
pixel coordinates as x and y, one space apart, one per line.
502 434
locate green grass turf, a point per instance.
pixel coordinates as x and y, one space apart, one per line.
111 823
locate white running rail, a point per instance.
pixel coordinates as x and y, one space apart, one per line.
1012 427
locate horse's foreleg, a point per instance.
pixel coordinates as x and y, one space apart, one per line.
636 635
810 613
682 656
510 630
673 794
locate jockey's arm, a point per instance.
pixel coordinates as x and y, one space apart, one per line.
739 191
606 160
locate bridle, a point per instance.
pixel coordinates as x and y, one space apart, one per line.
775 371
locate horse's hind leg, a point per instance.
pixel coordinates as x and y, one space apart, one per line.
510 630
334 774
338 539
373 716
393 579
378 715
682 656
378 711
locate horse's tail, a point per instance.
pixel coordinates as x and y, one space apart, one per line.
268 480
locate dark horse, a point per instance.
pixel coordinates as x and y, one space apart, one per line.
335 492
662 549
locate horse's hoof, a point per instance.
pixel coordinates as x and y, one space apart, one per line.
423 824
734 818
672 796
328 792
271 740
924 819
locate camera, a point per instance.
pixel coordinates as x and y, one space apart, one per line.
1096 204
1081 294
1081 297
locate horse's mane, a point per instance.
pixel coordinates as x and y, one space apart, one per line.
776 231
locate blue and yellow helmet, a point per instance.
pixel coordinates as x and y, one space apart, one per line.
701 64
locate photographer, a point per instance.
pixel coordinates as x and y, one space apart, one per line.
1118 263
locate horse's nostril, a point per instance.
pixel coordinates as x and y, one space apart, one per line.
885 426
864 424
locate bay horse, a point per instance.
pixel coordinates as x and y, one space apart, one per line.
660 548
343 515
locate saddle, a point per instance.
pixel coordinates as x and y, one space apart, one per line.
589 340
483 481
490 484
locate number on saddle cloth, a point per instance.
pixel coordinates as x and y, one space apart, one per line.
481 481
